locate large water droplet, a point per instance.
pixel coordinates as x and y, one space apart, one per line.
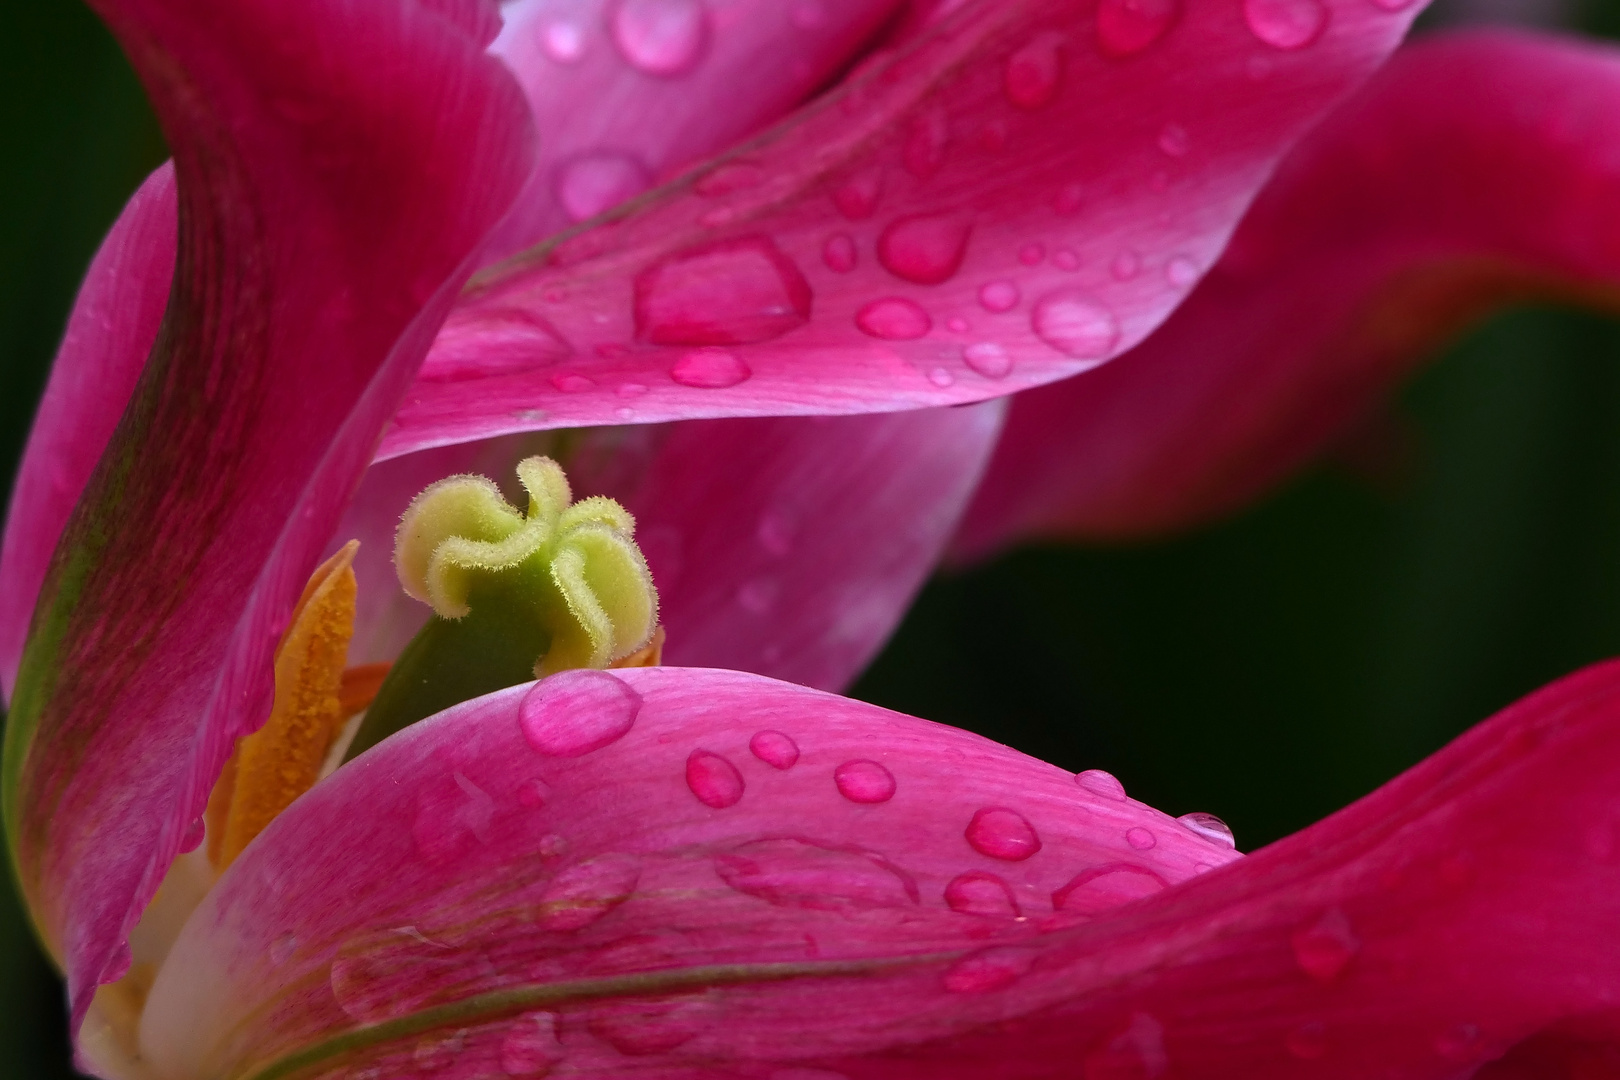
775 748
660 37
1181 271
893 318
563 41
1141 839
864 782
1210 828
709 369
590 183
988 969
839 253
980 893
988 359
857 196
642 1026
1002 834
924 248
797 873
1129 26
575 712
730 293
1102 888
998 296
1308 1041
1286 24
531 1047
1034 72
714 780
583 893
1325 948
1075 325
474 344
1101 783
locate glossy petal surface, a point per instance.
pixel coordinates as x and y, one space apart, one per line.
109 333
681 901
1005 199
331 201
1475 170
677 840
625 91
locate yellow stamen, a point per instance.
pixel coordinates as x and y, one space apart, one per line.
314 697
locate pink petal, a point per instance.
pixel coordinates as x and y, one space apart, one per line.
331 201
1476 170
624 91
749 915
1030 193
680 839
114 322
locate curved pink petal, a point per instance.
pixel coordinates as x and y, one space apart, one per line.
696 873
649 820
1476 170
114 322
623 91
786 546
337 165
1017 193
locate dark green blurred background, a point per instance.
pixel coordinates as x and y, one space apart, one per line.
1268 670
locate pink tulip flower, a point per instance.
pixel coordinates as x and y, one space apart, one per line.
684 871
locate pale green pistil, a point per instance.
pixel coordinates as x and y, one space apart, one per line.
515 596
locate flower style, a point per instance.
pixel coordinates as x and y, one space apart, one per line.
684 870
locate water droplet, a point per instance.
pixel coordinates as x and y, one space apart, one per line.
775 748
924 248
1141 839
730 177
808 14
1105 887
1459 1042
980 893
1075 325
1066 259
709 369
586 891
1286 24
1032 254
864 782
926 140
661 37
573 383
893 318
435 1052
1034 72
988 359
775 534
1308 1041
563 41
655 1025
1181 271
1126 265
857 197
1174 140
502 341
1325 948
1210 828
988 969
575 712
194 835
797 873
1101 783
730 293
956 324
530 1047
1070 197
714 780
631 389
1002 834
839 253
532 794
590 183
998 296
940 377
1129 26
